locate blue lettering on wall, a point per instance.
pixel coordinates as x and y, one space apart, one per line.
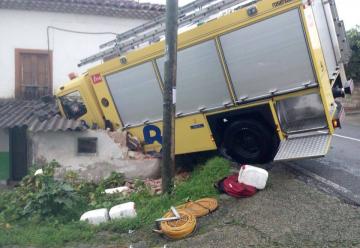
151 134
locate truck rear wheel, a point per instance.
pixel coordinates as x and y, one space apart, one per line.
249 141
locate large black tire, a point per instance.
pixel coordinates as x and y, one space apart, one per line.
250 142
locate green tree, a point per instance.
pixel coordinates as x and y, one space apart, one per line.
353 68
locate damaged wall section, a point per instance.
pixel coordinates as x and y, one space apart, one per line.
110 154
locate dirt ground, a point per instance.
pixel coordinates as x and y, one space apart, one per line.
288 213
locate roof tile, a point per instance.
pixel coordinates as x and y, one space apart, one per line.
37 116
115 8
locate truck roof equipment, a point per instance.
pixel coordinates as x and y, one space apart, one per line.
196 12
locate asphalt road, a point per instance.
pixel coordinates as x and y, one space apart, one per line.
340 169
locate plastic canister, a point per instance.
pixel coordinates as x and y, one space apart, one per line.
253 176
96 216
125 210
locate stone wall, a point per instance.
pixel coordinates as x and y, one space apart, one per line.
111 155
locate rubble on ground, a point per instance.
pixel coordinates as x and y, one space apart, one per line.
155 184
123 189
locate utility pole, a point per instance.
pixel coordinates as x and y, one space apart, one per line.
169 98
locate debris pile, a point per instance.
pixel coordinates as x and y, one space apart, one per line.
155 184
123 189
129 145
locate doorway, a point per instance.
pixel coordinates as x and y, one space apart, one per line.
18 152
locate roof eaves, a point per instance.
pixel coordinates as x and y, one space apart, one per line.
113 8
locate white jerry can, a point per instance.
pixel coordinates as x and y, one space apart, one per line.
96 216
125 210
253 176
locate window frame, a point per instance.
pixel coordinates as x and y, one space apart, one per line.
88 139
18 70
66 112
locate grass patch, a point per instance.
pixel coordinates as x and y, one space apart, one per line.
199 185
46 234
52 233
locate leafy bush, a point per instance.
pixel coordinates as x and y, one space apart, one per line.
114 180
353 68
41 197
54 199
93 193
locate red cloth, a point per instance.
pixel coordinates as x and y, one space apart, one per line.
232 187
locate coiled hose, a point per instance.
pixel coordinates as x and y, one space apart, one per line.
178 229
200 207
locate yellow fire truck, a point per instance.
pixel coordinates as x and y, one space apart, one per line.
257 79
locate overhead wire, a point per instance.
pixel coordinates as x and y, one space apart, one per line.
48 28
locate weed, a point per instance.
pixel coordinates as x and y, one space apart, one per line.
114 180
41 197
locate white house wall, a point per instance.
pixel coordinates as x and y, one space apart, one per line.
27 30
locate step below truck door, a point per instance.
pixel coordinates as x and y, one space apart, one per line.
311 145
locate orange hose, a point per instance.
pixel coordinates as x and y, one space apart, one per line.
200 207
178 229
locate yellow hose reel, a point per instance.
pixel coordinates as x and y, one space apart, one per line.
178 229
181 221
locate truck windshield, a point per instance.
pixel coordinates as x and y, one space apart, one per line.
73 105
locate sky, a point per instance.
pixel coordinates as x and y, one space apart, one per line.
348 10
